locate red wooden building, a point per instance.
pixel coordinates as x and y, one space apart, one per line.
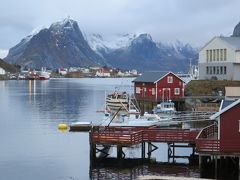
223 137
158 86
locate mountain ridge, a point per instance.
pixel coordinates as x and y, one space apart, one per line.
64 45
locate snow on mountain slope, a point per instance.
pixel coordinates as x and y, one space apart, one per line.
3 53
97 41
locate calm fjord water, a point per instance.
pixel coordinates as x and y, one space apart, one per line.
31 146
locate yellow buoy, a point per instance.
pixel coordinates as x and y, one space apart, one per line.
62 126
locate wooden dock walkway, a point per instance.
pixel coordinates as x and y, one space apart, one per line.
128 136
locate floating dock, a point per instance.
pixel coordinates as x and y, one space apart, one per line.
81 126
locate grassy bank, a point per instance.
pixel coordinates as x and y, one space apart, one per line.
208 87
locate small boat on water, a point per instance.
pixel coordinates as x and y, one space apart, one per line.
165 107
43 75
80 126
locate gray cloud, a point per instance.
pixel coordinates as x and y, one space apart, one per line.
190 21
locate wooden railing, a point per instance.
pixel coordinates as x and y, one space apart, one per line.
131 136
208 145
209 132
169 135
207 139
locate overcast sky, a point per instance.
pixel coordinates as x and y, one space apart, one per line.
190 21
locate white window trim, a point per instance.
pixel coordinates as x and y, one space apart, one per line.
138 90
176 92
170 79
153 91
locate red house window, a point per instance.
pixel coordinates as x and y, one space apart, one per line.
176 91
170 79
138 89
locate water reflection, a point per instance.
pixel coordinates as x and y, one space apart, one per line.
33 148
143 170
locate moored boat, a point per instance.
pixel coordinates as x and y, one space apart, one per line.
165 107
117 100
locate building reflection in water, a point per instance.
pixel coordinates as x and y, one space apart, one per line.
31 89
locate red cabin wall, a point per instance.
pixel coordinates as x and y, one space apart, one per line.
161 84
230 130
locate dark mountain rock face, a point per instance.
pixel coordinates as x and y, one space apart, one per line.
144 54
61 45
236 31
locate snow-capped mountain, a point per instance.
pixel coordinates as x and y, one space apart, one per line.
3 53
99 42
141 52
60 45
63 45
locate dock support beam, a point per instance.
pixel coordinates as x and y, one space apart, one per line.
151 148
143 150
120 153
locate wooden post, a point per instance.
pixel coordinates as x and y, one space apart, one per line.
173 152
149 150
92 147
143 150
119 152
169 152
200 163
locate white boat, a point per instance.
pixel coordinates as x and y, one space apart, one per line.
44 75
165 107
117 100
121 103
135 120
132 120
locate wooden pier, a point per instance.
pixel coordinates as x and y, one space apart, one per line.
206 149
145 136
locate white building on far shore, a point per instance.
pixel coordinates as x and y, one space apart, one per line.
2 71
220 59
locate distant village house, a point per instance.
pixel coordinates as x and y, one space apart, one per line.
2 71
103 73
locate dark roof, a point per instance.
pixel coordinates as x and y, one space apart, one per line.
233 41
226 103
151 76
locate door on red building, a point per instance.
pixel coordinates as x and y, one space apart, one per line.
166 94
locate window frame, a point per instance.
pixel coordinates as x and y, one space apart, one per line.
169 79
176 91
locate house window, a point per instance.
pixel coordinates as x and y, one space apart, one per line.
176 91
214 70
170 79
138 89
224 70
225 54
207 55
207 70
221 54
214 55
153 91
217 54
210 55
217 68
221 70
